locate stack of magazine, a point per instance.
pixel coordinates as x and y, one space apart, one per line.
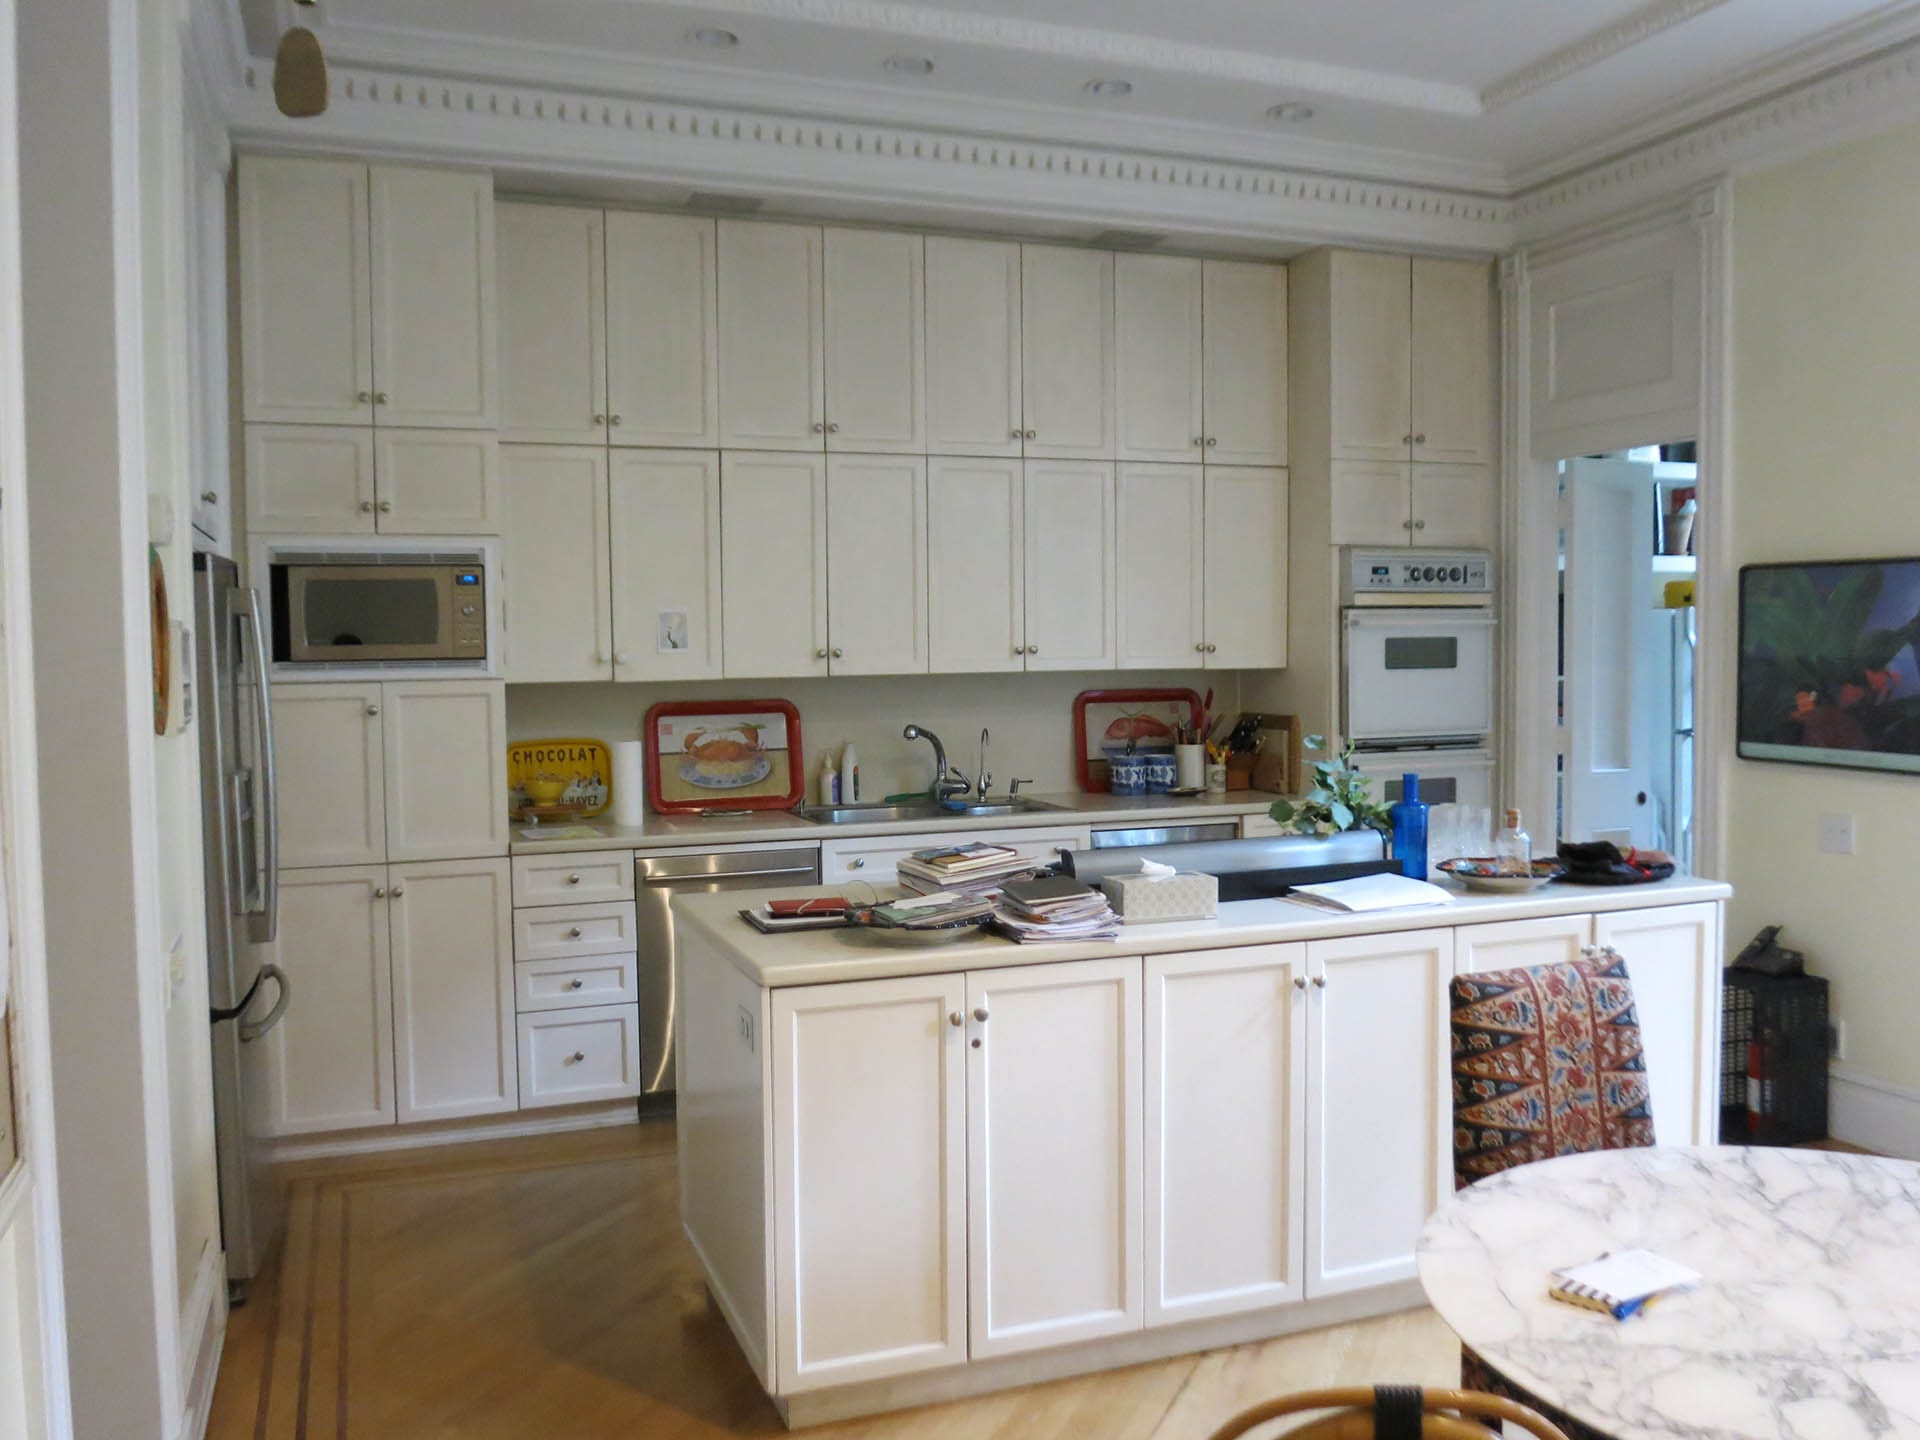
1054 908
969 869
931 912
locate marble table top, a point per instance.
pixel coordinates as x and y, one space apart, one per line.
1806 1325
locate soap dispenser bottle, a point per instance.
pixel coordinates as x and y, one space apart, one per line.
1410 829
829 781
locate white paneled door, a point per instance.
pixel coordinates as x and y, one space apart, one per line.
1372 305
664 519
310 479
1451 406
1067 352
559 623
437 482
1158 358
331 770
663 364
772 394
973 347
1069 564
1246 556
553 312
875 303
1245 377
446 768
1160 566
1673 957
773 564
877 564
976 582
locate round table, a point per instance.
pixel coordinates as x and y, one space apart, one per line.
1805 1326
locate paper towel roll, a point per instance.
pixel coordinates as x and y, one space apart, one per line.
629 794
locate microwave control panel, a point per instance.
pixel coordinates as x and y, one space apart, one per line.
470 612
1430 572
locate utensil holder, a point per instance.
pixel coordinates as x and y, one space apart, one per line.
1190 762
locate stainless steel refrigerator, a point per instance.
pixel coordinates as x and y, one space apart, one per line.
248 994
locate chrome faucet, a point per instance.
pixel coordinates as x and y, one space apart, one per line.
948 784
985 780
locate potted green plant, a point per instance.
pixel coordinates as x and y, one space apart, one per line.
1339 799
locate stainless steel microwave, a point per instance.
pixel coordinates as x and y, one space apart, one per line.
379 607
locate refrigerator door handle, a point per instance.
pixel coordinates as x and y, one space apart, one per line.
251 1030
263 922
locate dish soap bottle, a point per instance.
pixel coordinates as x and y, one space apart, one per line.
1410 829
829 781
850 774
1512 848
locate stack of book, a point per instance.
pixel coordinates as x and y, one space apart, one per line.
975 869
1054 908
931 912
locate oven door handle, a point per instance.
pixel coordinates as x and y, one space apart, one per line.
1421 620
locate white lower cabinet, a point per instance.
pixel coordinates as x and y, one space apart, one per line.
445 751
568 1057
1673 956
1513 944
452 989
329 746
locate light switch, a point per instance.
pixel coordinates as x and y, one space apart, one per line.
1836 834
746 1028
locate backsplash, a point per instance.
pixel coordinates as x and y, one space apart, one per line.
1030 715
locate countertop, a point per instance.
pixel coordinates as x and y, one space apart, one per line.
768 826
816 957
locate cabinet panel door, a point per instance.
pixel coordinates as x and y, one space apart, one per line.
1453 361
664 517
1157 357
773 564
875 360
1456 505
1378 1127
328 757
1372 304
1511 944
310 480
869 1142
437 482
877 564
1226 1058
770 344
1674 957
452 990
1066 364
559 623
1246 362
1054 1155
663 364
433 297
976 586
1372 504
329 1062
446 762
1158 564
568 1057
973 347
306 313
1246 615
1069 565
553 336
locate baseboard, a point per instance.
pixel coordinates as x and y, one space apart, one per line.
203 1335
415 1137
1874 1114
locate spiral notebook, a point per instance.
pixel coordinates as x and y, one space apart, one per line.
1621 1283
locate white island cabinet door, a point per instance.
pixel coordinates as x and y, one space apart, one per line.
1226 1058
869 1142
1246 606
664 516
1055 1168
773 564
452 989
1066 367
877 564
772 395
558 583
553 339
1378 1127
446 765
1070 565
1673 956
1159 567
329 1062
973 347
330 770
1246 363
976 581
434 309
876 371
663 367
1157 358
1513 944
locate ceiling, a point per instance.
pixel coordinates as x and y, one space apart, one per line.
1491 95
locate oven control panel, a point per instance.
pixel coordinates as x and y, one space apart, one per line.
1428 572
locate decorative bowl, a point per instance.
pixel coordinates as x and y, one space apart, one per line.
866 929
546 789
1480 873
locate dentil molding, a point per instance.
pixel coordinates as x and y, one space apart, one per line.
1589 50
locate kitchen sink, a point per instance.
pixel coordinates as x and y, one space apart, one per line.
877 813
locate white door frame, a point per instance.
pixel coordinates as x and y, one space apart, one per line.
1530 520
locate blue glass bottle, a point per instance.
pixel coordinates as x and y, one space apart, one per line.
1410 829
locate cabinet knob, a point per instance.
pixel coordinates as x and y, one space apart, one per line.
819 654
1212 648
819 427
575 1058
1406 439
838 653
1016 434
1033 649
613 419
859 862
379 397
1420 439
1201 646
1299 982
833 427
386 507
601 418
373 709
1199 439
619 657
1031 435
573 932
574 878
1419 524
1212 440
1319 982
575 983
956 1019
209 497
1406 524
365 397
980 1014
366 507
397 892
379 892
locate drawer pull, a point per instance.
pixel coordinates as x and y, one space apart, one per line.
574 878
575 983
575 1058
859 862
956 1019
573 933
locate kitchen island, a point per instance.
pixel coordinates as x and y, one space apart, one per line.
918 1173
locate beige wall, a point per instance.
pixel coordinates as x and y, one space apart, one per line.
1826 437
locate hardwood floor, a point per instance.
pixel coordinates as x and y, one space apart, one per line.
525 1289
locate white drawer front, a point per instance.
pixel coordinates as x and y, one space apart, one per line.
556 931
875 859
566 879
571 1056
568 984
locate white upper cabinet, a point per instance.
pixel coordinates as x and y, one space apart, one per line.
306 309
663 366
1246 557
553 338
664 518
1069 565
772 394
329 753
877 564
1158 357
1067 352
559 621
433 297
1372 503
1372 328
1245 370
437 482
1453 363
875 356
973 347
1160 567
976 556
1455 505
445 745
773 550
310 480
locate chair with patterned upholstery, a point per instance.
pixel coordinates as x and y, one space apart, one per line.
1394 1412
1546 1061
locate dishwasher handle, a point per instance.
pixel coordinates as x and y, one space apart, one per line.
808 871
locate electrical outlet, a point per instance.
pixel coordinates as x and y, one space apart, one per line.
746 1028
1836 834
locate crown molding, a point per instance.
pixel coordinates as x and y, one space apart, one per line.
1589 50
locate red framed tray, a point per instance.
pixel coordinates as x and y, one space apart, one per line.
1095 710
723 755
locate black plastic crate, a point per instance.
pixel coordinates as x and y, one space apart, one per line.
1788 1014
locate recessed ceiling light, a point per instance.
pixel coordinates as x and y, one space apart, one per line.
1109 89
1290 112
714 39
909 64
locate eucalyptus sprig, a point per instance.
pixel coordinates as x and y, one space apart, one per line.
1338 801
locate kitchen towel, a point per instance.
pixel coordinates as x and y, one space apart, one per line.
629 794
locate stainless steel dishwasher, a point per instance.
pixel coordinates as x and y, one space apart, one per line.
1132 837
657 879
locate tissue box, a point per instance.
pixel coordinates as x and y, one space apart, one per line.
1143 900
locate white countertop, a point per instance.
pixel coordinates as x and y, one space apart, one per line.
783 826
817 957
